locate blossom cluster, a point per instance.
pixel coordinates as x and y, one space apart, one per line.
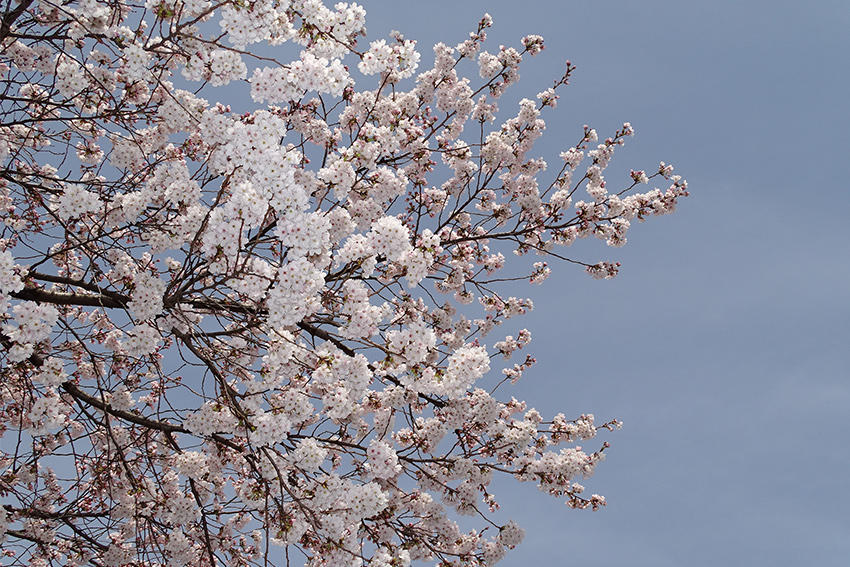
271 325
32 324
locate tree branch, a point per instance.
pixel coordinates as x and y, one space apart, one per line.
78 394
10 17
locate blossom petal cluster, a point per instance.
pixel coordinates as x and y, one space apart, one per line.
276 320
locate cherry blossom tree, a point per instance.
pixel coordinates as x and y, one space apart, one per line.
266 335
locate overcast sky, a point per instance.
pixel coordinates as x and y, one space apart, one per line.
723 344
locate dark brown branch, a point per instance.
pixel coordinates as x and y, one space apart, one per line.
163 426
80 284
10 17
33 513
62 298
78 394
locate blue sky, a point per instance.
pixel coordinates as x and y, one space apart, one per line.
723 342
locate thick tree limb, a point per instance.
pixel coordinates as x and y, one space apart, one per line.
10 17
63 298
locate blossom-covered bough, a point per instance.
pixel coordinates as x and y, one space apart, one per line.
267 338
